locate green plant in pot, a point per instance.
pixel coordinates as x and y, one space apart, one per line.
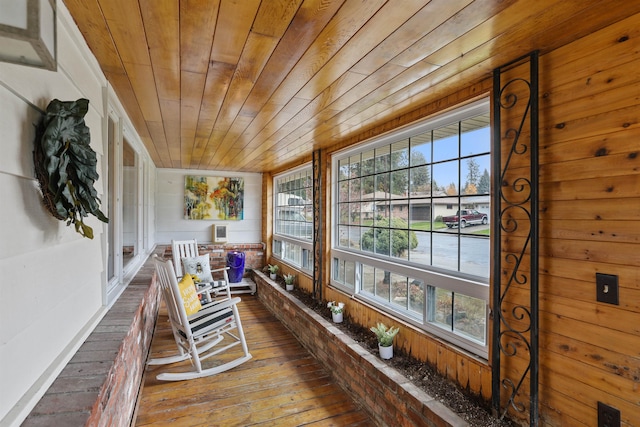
289 279
273 270
65 165
385 339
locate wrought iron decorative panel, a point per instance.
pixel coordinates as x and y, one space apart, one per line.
318 236
515 263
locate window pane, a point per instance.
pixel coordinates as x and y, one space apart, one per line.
442 308
421 149
470 317
401 242
420 214
343 169
445 251
476 135
343 191
381 216
399 290
354 166
354 189
277 247
343 273
343 236
383 284
446 176
400 154
484 179
445 143
400 210
420 181
354 237
366 213
350 274
343 213
416 296
368 163
383 159
473 169
474 257
368 279
338 270
354 213
422 252
382 186
399 182
381 241
367 186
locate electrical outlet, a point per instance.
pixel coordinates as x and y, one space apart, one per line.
608 416
607 288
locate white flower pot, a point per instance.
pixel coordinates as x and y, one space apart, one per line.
385 352
289 287
272 276
337 317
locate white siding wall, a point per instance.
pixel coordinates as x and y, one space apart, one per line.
170 222
51 279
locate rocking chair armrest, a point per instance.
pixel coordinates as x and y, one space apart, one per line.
201 289
215 270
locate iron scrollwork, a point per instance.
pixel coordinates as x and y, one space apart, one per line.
318 236
515 204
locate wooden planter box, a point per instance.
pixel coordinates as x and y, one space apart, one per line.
388 397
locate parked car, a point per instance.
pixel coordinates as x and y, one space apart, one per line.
465 217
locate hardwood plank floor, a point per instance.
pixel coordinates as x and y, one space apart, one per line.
282 385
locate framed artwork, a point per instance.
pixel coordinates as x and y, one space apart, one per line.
213 198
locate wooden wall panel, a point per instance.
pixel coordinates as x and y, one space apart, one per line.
589 223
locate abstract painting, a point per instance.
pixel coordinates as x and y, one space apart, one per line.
213 198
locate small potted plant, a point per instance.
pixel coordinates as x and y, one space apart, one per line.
385 339
273 271
288 281
336 311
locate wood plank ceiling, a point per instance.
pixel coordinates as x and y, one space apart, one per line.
255 85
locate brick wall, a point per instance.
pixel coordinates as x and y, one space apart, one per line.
390 398
100 385
117 398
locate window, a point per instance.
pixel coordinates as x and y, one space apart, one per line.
411 224
293 217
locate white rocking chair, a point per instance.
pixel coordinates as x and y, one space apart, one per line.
189 249
198 335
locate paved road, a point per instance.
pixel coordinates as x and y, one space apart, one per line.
474 250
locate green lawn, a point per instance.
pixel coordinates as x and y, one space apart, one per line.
426 225
485 232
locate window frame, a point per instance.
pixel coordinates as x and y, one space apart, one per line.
455 281
306 246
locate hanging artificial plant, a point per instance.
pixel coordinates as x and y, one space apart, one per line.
65 165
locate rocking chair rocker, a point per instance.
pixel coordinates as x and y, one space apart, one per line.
198 335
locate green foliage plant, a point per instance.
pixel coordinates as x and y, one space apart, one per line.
378 239
385 336
65 165
335 308
273 269
289 279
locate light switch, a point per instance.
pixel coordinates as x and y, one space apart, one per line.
607 288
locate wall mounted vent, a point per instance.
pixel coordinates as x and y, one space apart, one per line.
219 233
